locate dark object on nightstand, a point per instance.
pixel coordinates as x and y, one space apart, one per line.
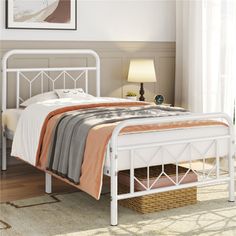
141 92
159 99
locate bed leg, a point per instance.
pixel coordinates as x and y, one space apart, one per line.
4 152
114 202
48 183
114 193
231 174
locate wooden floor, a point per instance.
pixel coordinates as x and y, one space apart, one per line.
24 181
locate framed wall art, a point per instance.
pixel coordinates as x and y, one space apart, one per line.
41 14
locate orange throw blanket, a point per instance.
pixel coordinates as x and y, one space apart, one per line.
94 155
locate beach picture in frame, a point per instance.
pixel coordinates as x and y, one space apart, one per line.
41 14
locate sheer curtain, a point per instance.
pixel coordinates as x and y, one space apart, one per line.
206 55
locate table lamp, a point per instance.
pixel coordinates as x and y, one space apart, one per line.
141 71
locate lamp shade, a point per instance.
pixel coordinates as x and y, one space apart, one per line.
142 71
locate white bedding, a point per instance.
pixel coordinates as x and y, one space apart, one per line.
29 126
27 134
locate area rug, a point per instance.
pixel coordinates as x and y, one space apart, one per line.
76 213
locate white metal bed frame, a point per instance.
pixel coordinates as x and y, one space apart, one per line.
113 148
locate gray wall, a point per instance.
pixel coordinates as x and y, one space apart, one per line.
115 58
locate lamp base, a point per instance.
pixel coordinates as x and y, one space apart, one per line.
141 92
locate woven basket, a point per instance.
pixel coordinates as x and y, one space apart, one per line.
159 201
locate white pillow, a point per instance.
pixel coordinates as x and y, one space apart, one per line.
40 98
73 93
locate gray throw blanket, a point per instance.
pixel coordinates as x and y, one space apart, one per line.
69 137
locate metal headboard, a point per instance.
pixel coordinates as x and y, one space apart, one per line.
42 73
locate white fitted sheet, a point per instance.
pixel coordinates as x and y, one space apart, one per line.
29 126
10 119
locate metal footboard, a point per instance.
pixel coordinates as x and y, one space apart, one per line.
189 144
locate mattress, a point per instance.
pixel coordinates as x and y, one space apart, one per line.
10 119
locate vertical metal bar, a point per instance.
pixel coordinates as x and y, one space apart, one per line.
98 77
217 159
114 185
162 165
4 83
64 80
131 171
86 81
4 152
148 176
177 172
190 155
30 89
4 107
231 169
17 89
203 166
42 85
48 183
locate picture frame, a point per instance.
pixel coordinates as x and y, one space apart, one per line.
41 14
